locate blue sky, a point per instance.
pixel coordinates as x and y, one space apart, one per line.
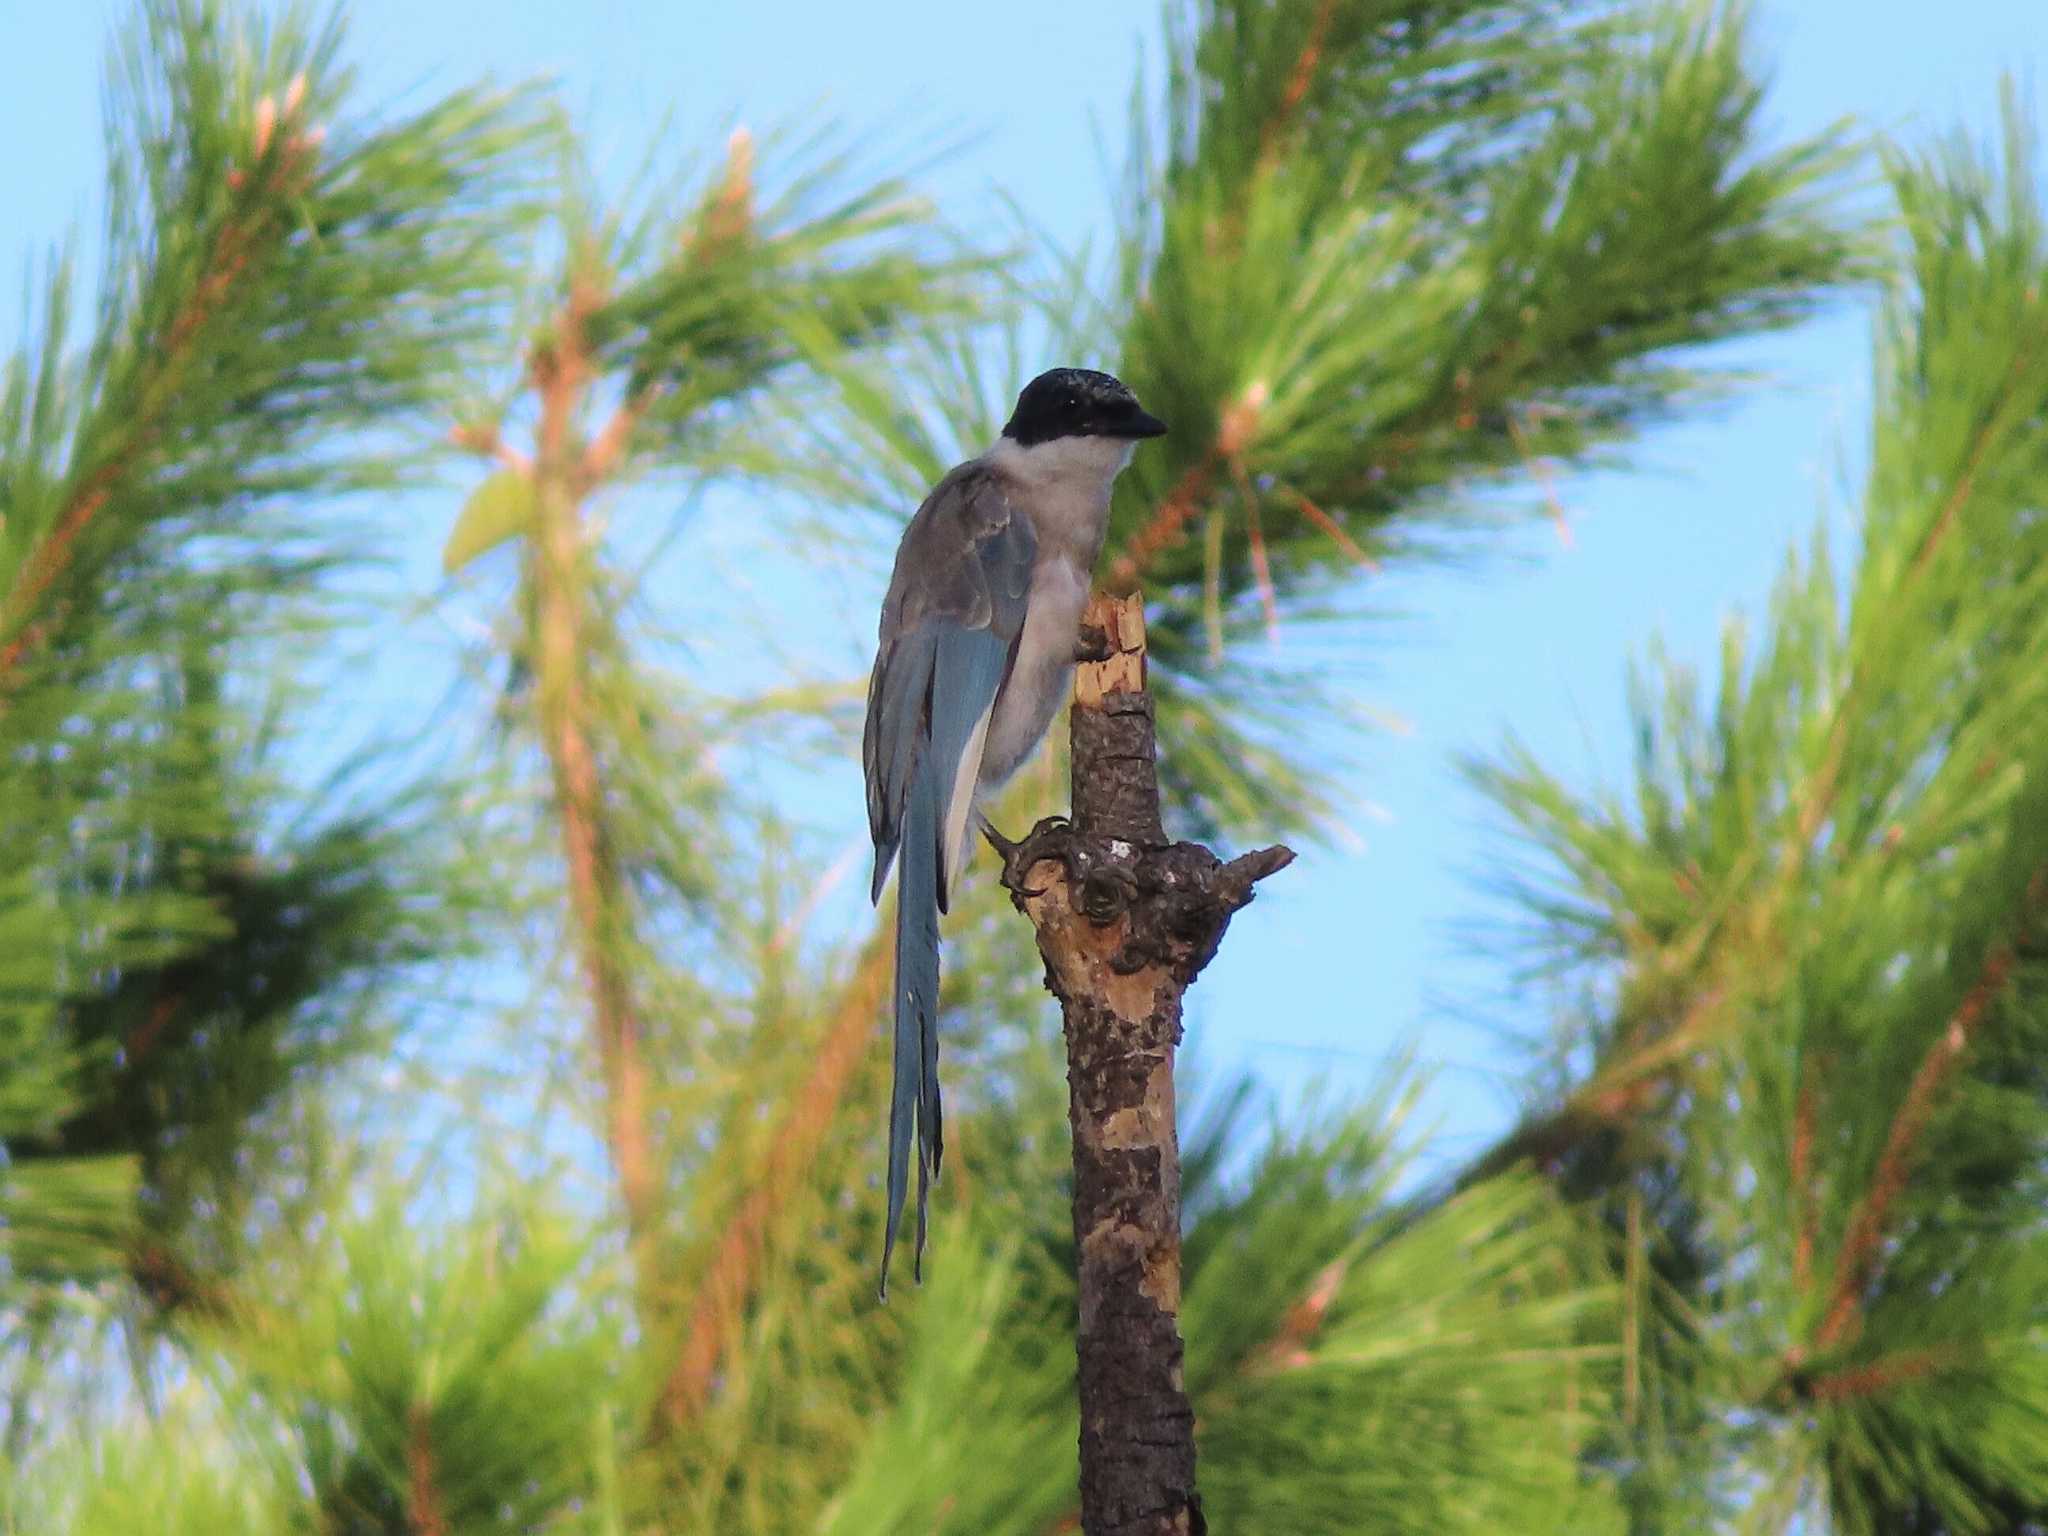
1357 948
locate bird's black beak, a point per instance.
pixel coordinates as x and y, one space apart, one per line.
1135 422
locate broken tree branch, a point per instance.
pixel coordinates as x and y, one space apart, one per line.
1125 923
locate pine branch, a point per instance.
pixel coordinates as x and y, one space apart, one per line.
1299 82
255 223
1806 1213
286 280
561 373
1845 837
275 271
1878 1376
444 1376
1625 1086
1383 257
726 1289
1867 1226
1817 797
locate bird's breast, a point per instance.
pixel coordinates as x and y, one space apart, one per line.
1038 680
1063 488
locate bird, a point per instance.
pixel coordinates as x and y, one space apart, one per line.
977 643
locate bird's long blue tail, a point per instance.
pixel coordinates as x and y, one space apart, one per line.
914 1094
966 670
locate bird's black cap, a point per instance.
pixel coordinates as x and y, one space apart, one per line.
1078 402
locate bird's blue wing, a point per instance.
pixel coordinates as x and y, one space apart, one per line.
949 631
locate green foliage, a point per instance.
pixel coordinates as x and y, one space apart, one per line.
279 275
1378 262
69 1218
1778 1256
285 284
186 1470
373 1382
465 1380
1381 256
1322 1318
973 1381
747 288
1816 923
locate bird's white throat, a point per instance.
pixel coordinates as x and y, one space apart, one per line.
1078 463
1064 486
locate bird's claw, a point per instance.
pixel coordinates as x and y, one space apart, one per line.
1003 846
1050 839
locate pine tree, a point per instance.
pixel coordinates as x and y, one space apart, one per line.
286 286
1808 938
1767 1255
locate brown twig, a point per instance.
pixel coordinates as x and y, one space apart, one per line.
1335 530
728 1282
1540 468
1262 566
607 451
1805 1214
173 1285
1262 573
1819 798
1959 495
1288 1349
423 1505
1879 1375
1300 80
484 439
143 1038
1865 1234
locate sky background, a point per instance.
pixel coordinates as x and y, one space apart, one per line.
1362 947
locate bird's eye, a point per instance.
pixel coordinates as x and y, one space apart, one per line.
1073 402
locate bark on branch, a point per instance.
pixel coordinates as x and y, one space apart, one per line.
560 372
1125 923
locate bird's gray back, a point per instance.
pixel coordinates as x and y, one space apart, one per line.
966 556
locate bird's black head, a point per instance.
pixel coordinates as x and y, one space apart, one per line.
1078 402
